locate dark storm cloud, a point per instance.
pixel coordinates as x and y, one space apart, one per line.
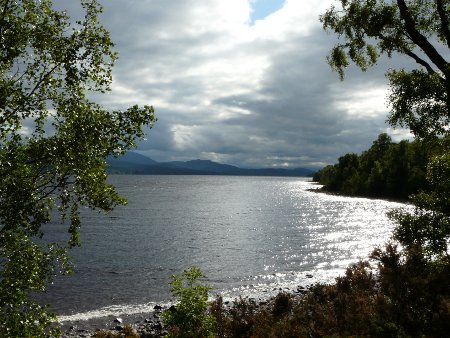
303 119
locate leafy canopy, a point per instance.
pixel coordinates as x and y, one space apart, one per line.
53 145
386 169
417 29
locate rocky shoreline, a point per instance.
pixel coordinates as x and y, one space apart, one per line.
152 326
149 327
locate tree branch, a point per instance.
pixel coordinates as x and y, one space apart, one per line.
5 7
419 39
52 189
444 21
416 58
42 78
420 61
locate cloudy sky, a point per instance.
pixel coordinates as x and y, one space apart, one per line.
242 82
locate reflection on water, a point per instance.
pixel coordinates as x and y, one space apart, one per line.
249 235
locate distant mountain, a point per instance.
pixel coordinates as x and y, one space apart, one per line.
130 163
209 166
133 163
131 157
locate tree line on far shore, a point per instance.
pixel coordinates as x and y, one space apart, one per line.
386 170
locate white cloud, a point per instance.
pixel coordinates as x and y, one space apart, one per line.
365 102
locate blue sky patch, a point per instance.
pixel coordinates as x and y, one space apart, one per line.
262 8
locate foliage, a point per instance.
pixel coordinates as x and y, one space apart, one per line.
241 318
386 169
418 29
420 170
429 224
408 297
53 145
189 317
127 332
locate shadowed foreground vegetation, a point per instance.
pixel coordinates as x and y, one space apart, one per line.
407 297
392 294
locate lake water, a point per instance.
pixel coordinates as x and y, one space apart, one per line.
250 236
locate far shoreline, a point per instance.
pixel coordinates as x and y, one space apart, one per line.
335 193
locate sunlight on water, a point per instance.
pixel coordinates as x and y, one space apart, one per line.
252 236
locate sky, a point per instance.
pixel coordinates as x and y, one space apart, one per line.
242 82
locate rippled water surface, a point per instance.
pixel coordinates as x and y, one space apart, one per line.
249 235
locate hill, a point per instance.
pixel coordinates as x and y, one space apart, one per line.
134 163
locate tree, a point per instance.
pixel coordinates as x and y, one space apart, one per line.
418 29
420 98
53 145
429 224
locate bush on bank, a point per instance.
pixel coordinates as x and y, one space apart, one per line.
394 294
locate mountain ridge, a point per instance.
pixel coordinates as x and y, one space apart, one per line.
134 163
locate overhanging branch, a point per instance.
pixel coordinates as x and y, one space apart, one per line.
419 39
444 21
421 62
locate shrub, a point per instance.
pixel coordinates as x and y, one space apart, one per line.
189 317
127 332
240 318
282 305
405 295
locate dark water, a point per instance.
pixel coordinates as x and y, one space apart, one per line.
249 235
